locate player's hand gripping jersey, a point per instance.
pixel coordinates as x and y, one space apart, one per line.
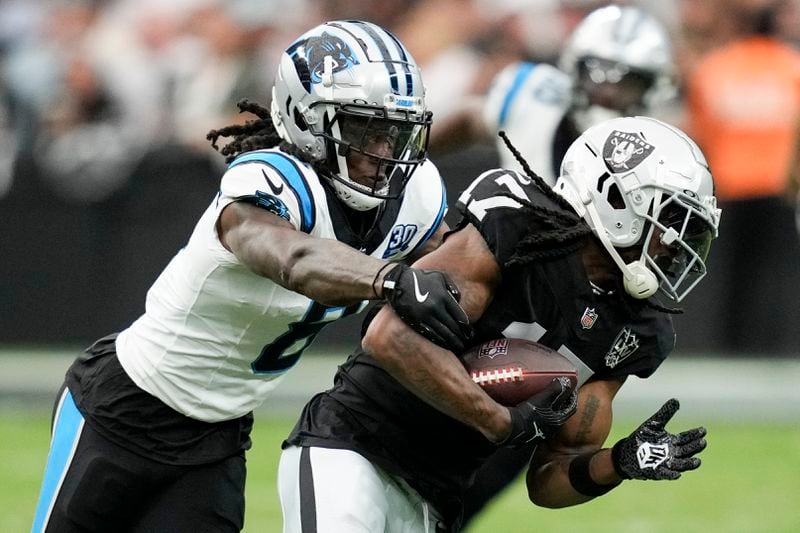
216 337
549 301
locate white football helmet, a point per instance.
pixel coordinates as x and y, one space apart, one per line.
344 88
620 61
637 181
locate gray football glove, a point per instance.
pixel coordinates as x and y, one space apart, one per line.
651 452
540 416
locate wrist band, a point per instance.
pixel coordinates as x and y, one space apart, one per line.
582 481
375 280
616 459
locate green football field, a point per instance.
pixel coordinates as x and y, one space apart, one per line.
749 482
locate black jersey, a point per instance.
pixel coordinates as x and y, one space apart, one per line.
550 301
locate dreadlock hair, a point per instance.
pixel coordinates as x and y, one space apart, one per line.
254 135
564 233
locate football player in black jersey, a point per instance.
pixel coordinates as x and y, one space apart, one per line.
575 267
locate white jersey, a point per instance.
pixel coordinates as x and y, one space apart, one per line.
528 101
216 338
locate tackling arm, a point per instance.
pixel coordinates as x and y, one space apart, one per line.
333 273
325 270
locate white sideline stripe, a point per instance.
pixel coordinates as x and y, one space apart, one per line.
736 388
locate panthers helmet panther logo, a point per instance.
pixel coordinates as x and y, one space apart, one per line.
316 48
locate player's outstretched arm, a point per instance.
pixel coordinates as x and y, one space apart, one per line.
333 273
573 468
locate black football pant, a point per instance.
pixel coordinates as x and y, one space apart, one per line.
93 485
499 471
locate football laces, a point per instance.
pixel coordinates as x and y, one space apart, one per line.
498 375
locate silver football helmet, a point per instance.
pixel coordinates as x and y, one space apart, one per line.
620 61
638 182
350 92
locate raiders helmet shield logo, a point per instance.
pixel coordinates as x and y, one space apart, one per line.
624 151
493 348
624 345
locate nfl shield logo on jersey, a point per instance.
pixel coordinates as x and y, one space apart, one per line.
624 345
589 317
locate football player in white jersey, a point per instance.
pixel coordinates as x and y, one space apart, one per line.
324 196
617 62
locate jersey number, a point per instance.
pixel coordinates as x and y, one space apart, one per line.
282 353
512 181
399 239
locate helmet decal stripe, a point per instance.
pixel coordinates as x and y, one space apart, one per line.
287 167
387 56
404 57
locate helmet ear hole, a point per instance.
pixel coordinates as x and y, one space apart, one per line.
299 121
614 197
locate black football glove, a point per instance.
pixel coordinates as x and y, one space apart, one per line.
651 452
428 302
540 416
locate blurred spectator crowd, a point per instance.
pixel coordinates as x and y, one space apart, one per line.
104 107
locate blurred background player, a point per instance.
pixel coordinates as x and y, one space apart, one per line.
321 200
575 267
617 62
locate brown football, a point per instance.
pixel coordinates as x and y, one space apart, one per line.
513 370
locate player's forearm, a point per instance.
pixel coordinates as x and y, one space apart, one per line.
564 481
332 273
434 375
324 270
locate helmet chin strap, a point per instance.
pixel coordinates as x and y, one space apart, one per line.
638 280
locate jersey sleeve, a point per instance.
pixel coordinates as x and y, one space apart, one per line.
503 91
523 90
272 181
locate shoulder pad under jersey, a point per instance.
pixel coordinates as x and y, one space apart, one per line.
275 181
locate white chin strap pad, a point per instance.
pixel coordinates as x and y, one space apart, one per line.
639 281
